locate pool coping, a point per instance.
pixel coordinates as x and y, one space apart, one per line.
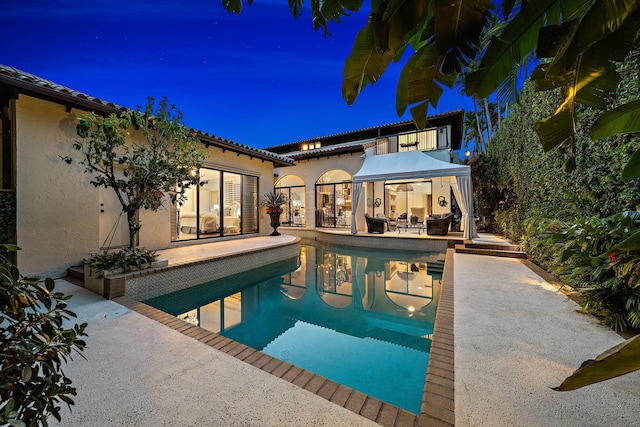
438 406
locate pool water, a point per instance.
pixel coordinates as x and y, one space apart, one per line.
361 318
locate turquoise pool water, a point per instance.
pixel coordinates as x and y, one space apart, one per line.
361 318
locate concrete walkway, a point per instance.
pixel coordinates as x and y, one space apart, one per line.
515 337
138 372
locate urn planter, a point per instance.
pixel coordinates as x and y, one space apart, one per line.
275 223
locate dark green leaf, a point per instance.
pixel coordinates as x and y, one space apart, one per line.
364 65
557 129
632 243
26 373
620 120
234 6
518 39
631 170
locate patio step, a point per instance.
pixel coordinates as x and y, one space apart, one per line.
494 246
75 275
77 272
508 251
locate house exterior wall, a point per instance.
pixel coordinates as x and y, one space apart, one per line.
56 206
58 210
311 170
232 162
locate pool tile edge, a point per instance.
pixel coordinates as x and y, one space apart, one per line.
437 402
438 399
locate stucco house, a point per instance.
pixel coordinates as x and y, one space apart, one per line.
395 171
60 218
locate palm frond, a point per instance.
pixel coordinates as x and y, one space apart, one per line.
601 20
518 39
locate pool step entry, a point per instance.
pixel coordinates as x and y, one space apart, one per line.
501 250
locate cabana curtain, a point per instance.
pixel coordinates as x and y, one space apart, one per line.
416 165
463 190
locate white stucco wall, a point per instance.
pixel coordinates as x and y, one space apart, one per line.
441 187
58 210
311 170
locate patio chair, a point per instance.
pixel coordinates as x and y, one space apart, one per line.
438 225
391 224
375 225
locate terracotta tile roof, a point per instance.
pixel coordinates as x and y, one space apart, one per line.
456 116
51 91
348 147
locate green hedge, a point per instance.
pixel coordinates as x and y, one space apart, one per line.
530 183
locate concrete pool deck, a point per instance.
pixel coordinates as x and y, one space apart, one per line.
515 337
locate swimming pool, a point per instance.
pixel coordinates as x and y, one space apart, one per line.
361 318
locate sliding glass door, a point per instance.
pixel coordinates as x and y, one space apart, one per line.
221 204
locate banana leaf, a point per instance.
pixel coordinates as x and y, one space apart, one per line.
620 120
616 361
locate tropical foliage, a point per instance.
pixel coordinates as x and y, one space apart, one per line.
126 259
141 174
528 181
577 43
35 345
600 257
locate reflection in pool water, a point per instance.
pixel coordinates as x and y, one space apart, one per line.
360 318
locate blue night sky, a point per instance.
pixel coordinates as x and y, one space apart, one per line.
260 78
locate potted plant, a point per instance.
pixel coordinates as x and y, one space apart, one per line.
273 202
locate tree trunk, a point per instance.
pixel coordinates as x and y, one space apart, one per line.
134 227
488 118
480 143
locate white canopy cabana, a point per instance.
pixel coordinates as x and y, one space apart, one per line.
417 165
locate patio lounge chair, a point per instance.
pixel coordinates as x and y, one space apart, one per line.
375 225
438 225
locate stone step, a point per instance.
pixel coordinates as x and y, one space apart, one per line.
491 252
494 246
77 272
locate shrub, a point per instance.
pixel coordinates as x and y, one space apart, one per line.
599 257
125 258
35 344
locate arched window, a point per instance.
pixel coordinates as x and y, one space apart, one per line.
333 199
293 188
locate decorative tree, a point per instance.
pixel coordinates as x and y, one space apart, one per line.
34 347
141 174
